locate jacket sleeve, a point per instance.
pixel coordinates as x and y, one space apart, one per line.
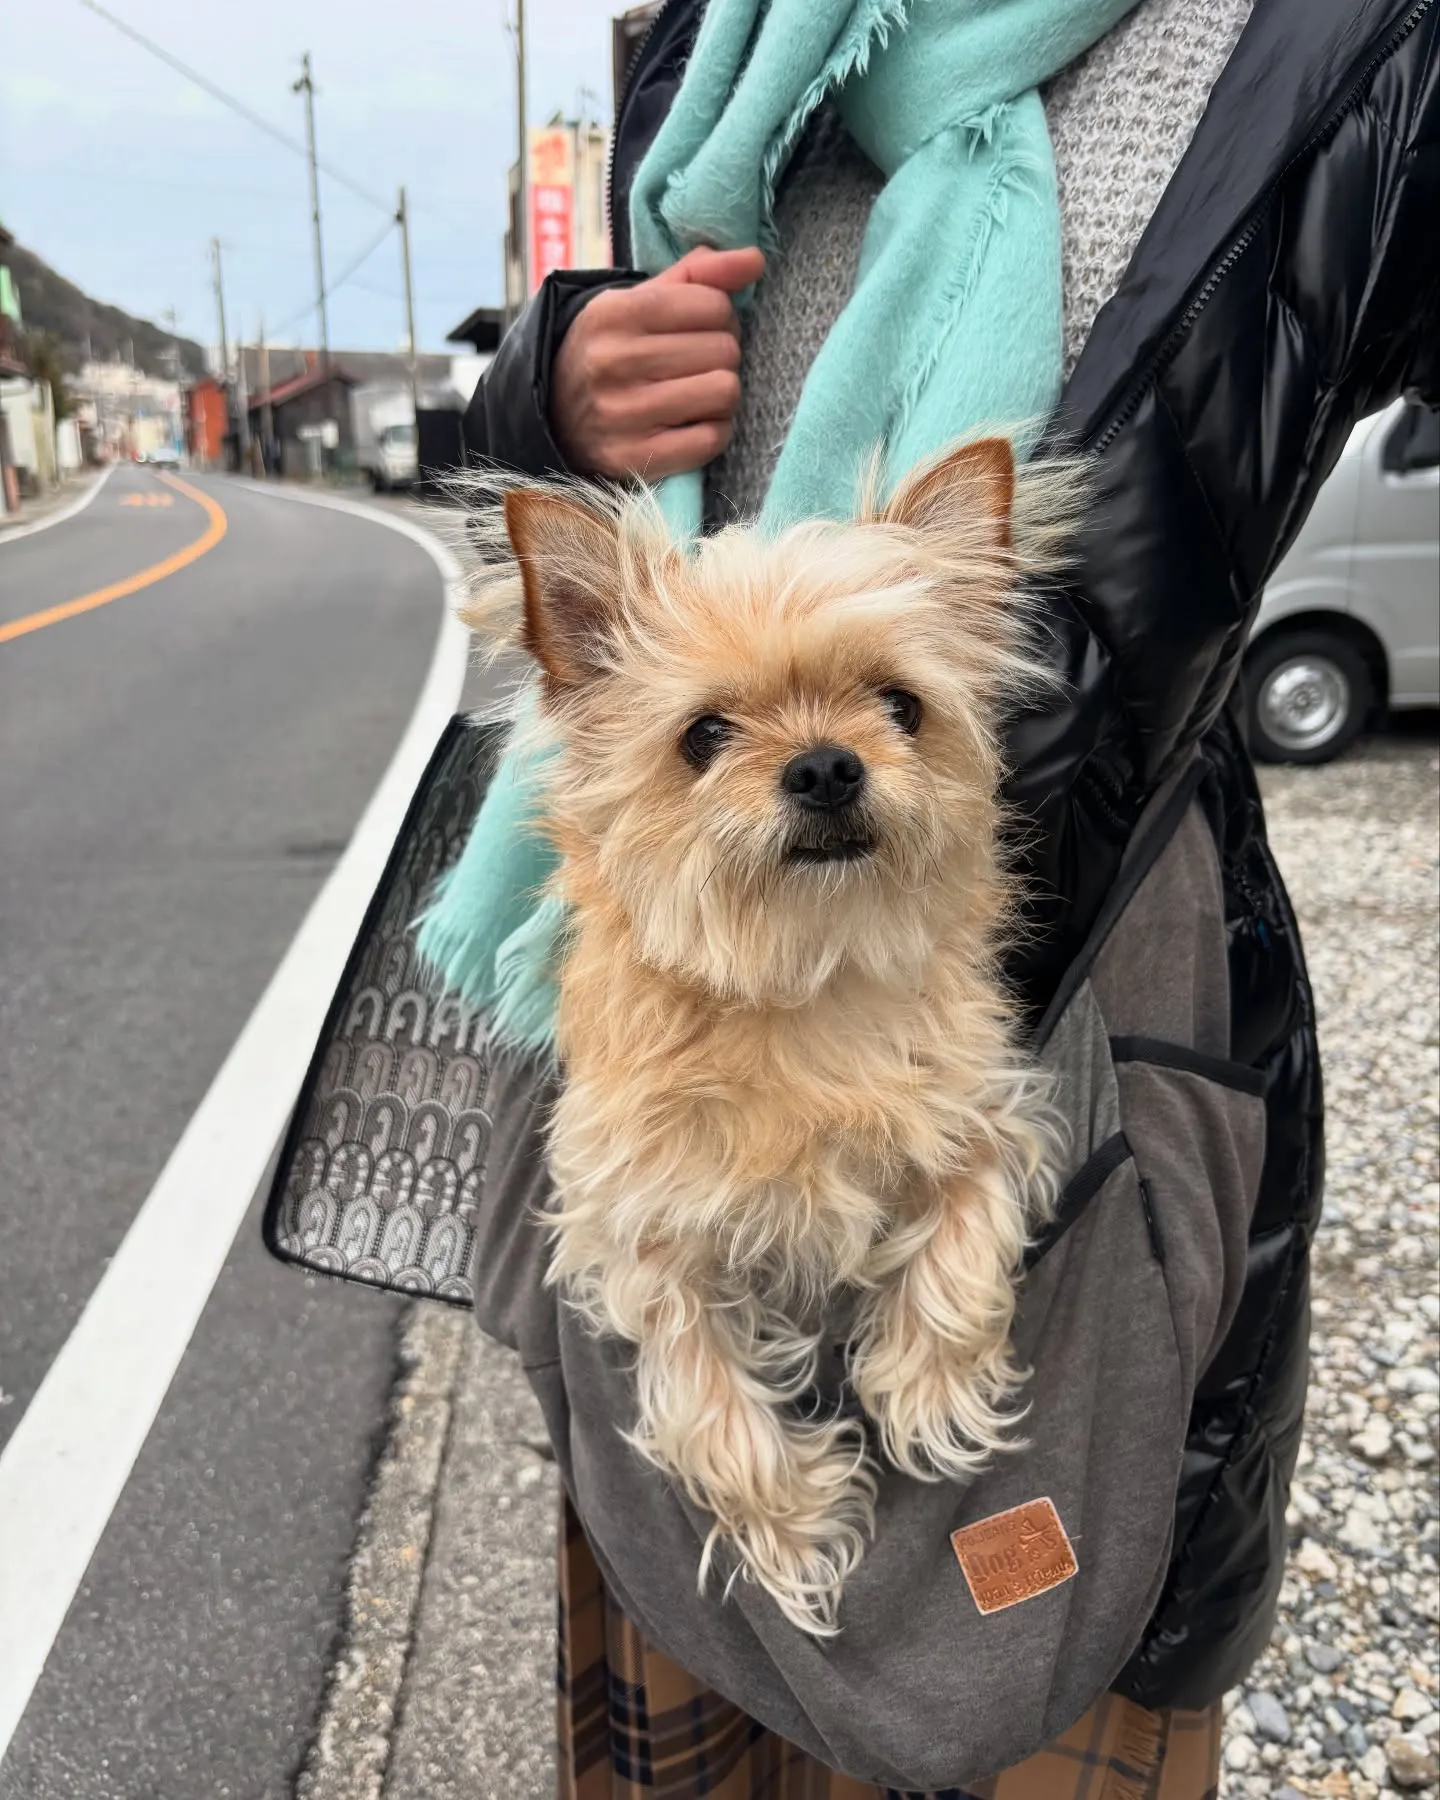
508 418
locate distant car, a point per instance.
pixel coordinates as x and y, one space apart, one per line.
1350 622
165 457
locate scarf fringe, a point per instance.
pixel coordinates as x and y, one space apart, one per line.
868 31
514 985
445 944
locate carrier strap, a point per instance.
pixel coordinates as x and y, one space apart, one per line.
1156 828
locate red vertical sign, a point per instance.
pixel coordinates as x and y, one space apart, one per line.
552 203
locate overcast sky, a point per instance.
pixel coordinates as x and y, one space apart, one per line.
119 172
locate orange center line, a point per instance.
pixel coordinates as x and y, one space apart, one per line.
117 590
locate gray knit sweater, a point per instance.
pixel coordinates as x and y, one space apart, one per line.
1120 119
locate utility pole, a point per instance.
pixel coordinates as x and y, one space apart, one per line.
220 311
306 86
172 354
523 147
242 408
402 219
267 416
218 277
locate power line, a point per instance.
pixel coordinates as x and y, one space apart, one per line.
361 259
334 286
380 293
236 106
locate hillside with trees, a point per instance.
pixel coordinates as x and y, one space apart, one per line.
55 308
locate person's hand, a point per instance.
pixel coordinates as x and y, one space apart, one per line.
647 379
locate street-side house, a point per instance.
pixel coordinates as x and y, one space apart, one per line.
206 422
28 410
126 413
19 460
304 424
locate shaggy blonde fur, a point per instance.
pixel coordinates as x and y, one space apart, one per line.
790 1085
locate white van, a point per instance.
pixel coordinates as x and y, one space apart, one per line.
1350 622
383 419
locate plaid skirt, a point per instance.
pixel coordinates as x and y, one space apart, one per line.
632 1725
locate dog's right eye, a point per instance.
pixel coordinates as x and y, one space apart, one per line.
704 739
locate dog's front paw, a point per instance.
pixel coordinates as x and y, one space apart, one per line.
792 1503
799 1534
941 1409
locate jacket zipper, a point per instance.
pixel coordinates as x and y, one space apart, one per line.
1237 249
620 99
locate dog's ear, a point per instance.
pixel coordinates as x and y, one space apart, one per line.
971 487
569 560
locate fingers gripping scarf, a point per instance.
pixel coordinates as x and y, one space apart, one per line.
955 318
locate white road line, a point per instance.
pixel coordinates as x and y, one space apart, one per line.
72 1452
10 533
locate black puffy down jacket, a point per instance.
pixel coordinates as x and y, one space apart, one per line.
1288 284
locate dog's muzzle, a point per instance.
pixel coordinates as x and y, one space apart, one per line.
838 838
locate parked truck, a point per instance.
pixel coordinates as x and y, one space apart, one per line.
385 440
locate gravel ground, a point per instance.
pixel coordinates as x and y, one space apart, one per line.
1345 1700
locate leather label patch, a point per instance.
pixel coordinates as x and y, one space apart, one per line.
1015 1555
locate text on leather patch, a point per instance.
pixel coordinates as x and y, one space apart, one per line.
1014 1555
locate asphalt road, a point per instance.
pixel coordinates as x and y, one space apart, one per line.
179 769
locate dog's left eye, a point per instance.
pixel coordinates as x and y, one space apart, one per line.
903 708
704 739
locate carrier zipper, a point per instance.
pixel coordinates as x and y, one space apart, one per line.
1242 243
620 99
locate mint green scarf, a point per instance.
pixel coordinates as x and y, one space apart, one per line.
954 322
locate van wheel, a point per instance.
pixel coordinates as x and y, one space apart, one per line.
1308 694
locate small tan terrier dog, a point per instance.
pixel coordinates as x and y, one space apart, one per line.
792 1090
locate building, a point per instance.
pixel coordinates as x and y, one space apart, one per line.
271 364
130 414
568 226
27 427
440 437
207 422
303 424
307 428
481 329
12 374
10 319
29 455
592 201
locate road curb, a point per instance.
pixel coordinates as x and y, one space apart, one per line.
350 1752
11 534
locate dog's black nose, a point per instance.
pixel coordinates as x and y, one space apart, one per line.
825 778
